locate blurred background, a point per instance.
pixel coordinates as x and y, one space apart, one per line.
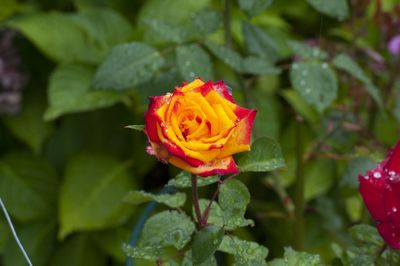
323 75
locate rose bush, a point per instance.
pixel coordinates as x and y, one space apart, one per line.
380 189
198 128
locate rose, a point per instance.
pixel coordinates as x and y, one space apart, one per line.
198 128
380 189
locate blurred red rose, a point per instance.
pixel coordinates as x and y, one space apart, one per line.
380 189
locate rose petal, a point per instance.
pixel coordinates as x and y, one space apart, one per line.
372 190
224 90
390 232
392 163
151 119
241 135
216 167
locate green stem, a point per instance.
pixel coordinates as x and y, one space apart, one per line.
195 198
227 23
299 228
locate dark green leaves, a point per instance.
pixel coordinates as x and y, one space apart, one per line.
233 199
315 82
183 180
295 258
194 62
91 182
69 92
265 155
254 7
338 9
226 55
27 180
245 252
171 200
206 21
346 63
128 65
206 242
167 228
307 52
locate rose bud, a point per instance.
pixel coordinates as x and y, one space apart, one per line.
198 128
380 189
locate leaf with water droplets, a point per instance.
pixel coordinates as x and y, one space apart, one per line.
171 200
206 242
127 65
245 252
167 228
366 234
338 9
188 260
174 33
346 63
206 21
296 258
226 55
194 62
183 180
254 7
265 155
233 199
300 106
146 253
259 66
258 42
305 51
316 83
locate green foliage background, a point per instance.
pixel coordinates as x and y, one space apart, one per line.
67 162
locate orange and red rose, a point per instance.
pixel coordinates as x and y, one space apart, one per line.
198 128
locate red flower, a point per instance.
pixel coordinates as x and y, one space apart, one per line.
198 128
380 189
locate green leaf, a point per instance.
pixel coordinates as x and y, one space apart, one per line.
39 240
338 9
206 21
233 199
357 166
300 106
259 43
168 32
307 52
245 252
110 241
4 234
254 7
258 66
194 62
69 92
27 180
215 215
9 8
28 125
171 200
315 82
226 55
205 243
57 36
91 182
317 183
105 27
167 228
366 234
146 253
128 65
188 260
136 127
296 258
78 250
184 180
346 63
265 155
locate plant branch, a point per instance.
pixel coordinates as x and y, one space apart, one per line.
195 198
214 196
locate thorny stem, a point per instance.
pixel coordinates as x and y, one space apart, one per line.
299 195
195 197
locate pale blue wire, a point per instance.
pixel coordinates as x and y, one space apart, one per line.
14 233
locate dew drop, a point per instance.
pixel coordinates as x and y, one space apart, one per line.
394 209
324 65
377 175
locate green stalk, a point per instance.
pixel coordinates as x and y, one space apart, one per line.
195 198
299 225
